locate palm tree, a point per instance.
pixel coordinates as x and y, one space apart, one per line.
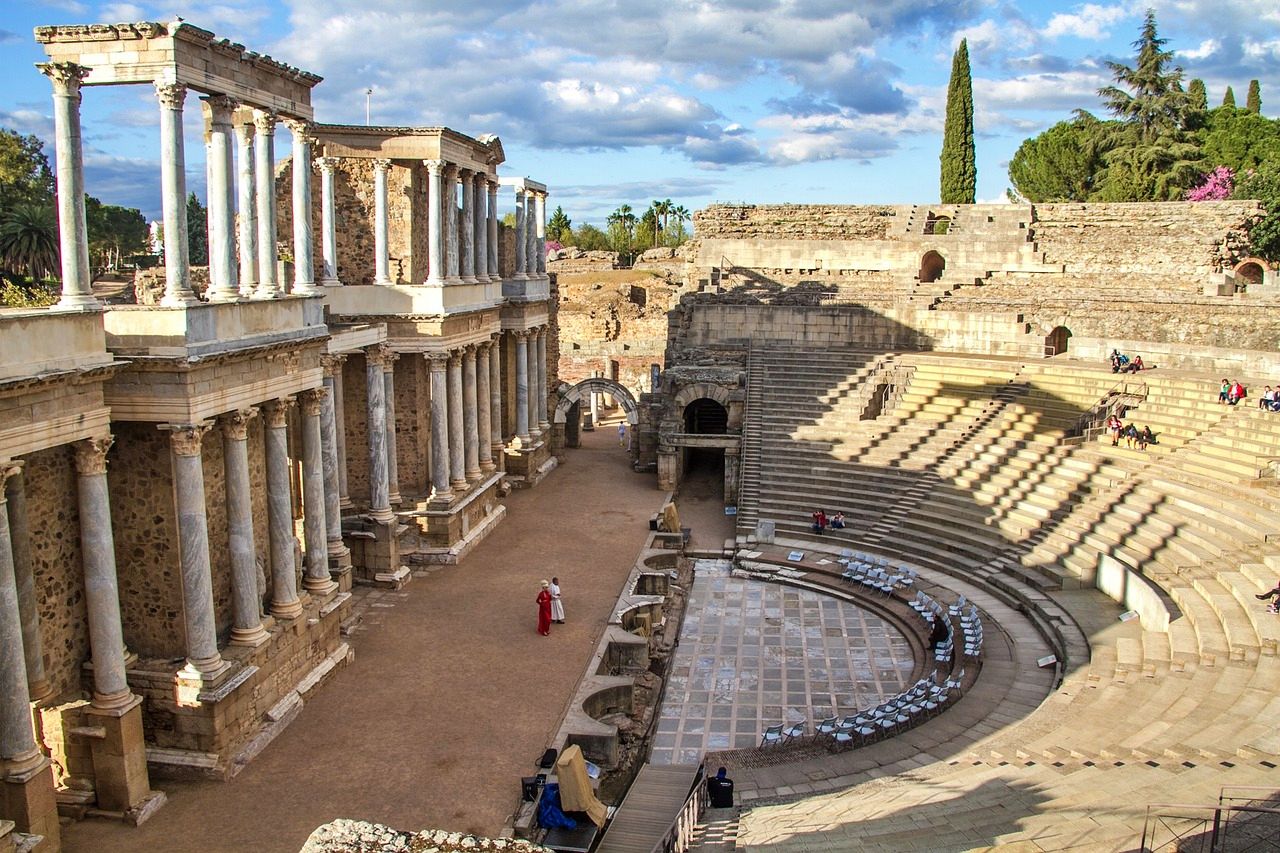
29 240
661 211
625 217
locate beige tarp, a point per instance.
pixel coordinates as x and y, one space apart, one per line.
575 788
670 518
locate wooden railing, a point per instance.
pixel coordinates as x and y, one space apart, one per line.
679 835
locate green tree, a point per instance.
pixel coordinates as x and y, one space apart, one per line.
114 232
29 240
622 227
959 177
560 227
1263 184
1240 140
1253 101
1061 164
676 235
589 238
1152 97
1196 95
24 170
197 232
1229 99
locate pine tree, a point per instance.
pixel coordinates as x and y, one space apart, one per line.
1253 101
1229 99
1196 92
959 182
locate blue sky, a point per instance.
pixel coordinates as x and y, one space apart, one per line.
806 101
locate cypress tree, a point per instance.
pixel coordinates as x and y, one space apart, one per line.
1229 99
959 182
1196 92
1253 102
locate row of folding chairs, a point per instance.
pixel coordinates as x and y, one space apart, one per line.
879 577
928 607
971 625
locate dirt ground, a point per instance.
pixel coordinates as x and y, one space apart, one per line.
452 695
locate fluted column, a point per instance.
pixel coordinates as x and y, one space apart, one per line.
73 233
173 184
543 423
247 194
531 380
381 226
440 488
457 443
328 223
495 398
435 221
467 227
522 387
17 739
493 231
540 233
480 192
337 550
522 241
101 588
304 276
246 603
224 279
484 424
203 660
340 429
316 579
284 579
389 397
531 232
376 423
450 201
470 419
24 571
264 153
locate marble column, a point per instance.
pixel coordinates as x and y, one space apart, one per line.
484 424
316 579
457 444
495 398
328 223
531 232
440 488
101 588
389 400
522 387
435 221
543 423
284 579
531 379
480 192
540 232
173 183
467 227
340 429
450 201
17 738
224 279
376 424
73 234
247 193
337 550
246 603
304 276
494 272
264 153
521 239
381 225
470 419
203 660
15 493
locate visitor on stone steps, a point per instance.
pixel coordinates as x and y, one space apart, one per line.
1115 425
1224 393
1275 593
1146 437
1130 435
1237 393
1268 397
837 521
544 609
1135 365
819 522
557 606
720 790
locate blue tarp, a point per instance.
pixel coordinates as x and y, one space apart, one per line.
550 815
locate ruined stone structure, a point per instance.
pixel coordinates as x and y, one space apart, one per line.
192 486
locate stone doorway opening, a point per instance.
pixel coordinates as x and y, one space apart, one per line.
705 416
1055 343
931 267
1250 271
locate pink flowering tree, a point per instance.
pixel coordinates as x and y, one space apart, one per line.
1216 186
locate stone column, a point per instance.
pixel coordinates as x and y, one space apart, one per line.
480 192
450 201
440 488
495 399
73 233
531 232
470 419
247 190
264 152
203 661
173 182
543 423
15 493
389 398
340 429
304 276
493 232
339 554
328 223
522 388
381 248
435 222
457 445
224 279
484 423
522 241
316 579
379 483
284 578
540 233
531 363
467 253
246 603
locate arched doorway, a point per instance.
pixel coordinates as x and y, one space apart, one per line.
931 267
570 406
1249 271
1055 343
705 416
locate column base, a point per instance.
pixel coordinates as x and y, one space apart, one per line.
27 798
39 691
330 282
305 288
320 588
120 758
395 497
458 485
286 609
487 466
249 637
178 300
78 302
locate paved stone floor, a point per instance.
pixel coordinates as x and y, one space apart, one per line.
753 654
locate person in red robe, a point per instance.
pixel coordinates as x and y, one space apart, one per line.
544 610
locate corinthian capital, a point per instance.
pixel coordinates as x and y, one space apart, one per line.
186 439
312 400
66 76
332 363
236 424
301 130
264 121
327 164
9 468
381 164
434 167
221 108
91 455
171 95
277 412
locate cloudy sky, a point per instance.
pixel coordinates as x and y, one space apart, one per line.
746 100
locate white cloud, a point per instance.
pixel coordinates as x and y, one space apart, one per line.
1091 22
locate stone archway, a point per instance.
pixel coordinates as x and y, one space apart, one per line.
931 267
1055 343
1250 271
597 385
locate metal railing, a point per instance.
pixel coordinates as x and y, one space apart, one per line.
1246 819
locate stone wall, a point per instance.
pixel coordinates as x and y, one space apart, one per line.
795 221
354 403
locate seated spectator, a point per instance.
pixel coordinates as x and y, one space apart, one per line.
1145 438
1237 393
1224 393
720 790
837 521
819 522
1115 361
1130 435
1135 365
1267 399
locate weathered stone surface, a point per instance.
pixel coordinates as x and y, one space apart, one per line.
354 836
795 221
